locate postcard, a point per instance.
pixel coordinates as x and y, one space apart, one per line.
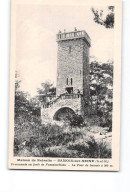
65 79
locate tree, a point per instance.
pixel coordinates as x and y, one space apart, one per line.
47 89
101 89
20 98
24 106
107 20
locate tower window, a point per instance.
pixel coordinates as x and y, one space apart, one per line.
69 49
67 81
71 81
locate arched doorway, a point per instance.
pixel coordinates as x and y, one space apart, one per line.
64 114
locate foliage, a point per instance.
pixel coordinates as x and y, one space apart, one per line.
75 120
108 21
101 90
92 149
47 89
52 140
40 136
24 105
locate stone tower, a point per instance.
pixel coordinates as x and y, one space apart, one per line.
72 90
73 64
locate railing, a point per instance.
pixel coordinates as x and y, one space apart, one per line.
74 34
62 97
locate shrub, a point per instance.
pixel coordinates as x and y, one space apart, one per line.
75 120
61 152
92 149
34 139
16 145
106 122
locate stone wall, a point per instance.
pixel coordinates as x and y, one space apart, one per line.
73 62
70 65
74 104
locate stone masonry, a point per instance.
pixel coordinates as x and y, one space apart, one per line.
72 90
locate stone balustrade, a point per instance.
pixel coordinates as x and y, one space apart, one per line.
73 35
62 97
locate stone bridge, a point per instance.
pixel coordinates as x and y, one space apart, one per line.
70 102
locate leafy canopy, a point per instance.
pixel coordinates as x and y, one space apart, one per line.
107 20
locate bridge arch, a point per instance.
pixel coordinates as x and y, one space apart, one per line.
63 113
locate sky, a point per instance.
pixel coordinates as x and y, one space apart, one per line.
36 47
